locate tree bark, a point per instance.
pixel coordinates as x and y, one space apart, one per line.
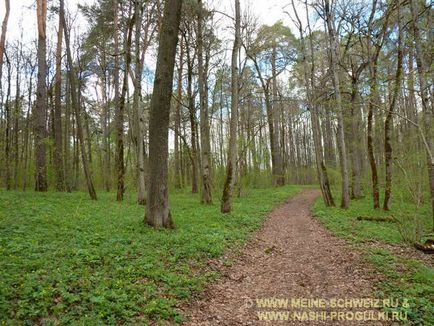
334 54
119 118
226 205
278 171
3 36
178 151
355 136
41 100
58 148
138 114
192 116
157 208
388 124
206 196
8 128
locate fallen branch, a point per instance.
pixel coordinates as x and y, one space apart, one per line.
427 248
390 219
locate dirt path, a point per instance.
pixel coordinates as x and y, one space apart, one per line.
292 256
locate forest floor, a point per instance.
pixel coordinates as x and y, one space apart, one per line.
291 257
68 260
65 259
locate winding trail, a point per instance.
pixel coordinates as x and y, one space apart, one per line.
291 256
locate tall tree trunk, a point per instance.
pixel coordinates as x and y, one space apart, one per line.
373 100
177 153
119 118
41 100
192 116
3 36
374 96
334 54
278 172
226 204
106 128
206 196
329 148
138 114
8 126
67 137
427 97
355 137
17 114
157 208
75 100
388 124
58 150
27 142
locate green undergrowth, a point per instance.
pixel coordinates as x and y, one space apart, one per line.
397 276
65 259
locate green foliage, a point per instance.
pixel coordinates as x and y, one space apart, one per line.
404 278
67 260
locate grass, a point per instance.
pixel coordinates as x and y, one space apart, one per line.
401 277
67 260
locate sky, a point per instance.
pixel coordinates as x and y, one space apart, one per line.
23 13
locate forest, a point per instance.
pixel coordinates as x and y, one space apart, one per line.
149 149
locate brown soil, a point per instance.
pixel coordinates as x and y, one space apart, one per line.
291 256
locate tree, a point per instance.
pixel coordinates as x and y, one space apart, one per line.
204 119
120 168
374 45
157 208
427 97
177 151
334 54
313 108
41 99
138 116
58 148
3 36
226 205
389 117
272 51
75 101
190 58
